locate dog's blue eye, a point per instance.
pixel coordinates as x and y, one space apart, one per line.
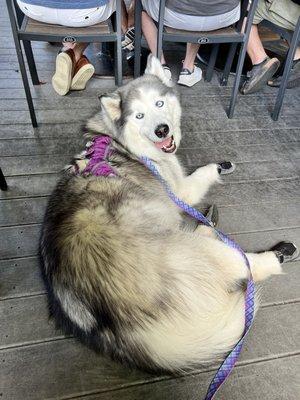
159 103
139 116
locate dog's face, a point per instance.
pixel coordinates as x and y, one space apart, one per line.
145 114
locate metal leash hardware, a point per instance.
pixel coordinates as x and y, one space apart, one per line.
228 364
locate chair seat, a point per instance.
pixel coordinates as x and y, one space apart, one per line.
228 33
31 27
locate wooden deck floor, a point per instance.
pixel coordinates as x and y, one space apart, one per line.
259 205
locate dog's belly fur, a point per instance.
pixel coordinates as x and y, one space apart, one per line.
126 279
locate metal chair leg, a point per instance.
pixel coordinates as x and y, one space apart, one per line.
118 47
161 17
137 38
3 184
31 62
228 65
212 62
22 64
26 83
286 72
237 80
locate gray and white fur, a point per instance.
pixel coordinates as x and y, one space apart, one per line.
121 273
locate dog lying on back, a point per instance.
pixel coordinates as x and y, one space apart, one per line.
122 274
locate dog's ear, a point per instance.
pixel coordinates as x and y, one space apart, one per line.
111 104
154 67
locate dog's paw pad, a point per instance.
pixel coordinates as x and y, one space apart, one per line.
285 251
226 167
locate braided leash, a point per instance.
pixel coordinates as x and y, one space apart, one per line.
229 362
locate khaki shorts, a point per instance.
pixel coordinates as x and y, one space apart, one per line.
283 13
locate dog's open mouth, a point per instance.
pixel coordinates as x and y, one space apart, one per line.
168 145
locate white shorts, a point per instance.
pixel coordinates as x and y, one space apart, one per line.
73 17
192 22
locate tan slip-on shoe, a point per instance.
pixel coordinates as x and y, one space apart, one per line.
84 70
65 65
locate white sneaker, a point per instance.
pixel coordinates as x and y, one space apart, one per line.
188 78
167 71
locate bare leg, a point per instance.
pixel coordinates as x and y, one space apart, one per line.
297 54
190 55
78 48
130 14
255 48
124 17
150 33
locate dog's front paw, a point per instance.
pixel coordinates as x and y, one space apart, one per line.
226 167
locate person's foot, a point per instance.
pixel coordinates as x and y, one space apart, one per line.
64 70
83 72
259 75
293 79
190 78
167 71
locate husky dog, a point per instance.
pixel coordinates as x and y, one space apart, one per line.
122 274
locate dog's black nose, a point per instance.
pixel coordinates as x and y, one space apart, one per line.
162 130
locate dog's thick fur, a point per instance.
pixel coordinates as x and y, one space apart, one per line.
121 272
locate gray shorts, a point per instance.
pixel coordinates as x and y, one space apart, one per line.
283 13
192 22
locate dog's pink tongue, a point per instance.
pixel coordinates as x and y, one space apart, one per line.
165 143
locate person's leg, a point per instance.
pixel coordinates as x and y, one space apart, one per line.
190 55
150 32
255 47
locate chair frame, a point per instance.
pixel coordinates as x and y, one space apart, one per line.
3 184
241 38
19 22
293 38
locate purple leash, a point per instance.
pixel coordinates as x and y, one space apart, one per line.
229 362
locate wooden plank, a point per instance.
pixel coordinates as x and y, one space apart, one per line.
34 26
205 106
46 116
191 139
18 131
274 332
29 186
255 192
264 240
64 145
269 380
36 164
20 241
22 211
281 289
248 153
20 277
17 316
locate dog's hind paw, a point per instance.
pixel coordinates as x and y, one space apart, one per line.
226 167
285 251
